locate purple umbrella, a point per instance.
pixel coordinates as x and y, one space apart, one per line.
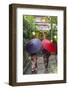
33 46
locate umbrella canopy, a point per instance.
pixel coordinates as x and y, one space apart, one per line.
33 46
49 46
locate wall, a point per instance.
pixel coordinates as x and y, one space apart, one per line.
4 44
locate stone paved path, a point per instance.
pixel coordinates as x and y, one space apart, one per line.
40 65
52 65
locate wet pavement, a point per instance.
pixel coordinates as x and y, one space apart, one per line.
52 65
41 69
40 65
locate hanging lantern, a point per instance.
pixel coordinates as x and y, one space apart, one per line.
55 36
33 33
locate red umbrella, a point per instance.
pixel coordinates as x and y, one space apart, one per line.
49 46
